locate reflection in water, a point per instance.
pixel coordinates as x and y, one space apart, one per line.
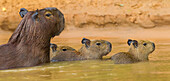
156 69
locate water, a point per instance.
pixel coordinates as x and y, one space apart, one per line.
157 69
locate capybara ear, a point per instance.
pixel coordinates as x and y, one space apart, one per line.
22 12
86 42
53 47
129 42
135 43
35 15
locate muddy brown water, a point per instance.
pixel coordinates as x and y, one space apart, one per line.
157 69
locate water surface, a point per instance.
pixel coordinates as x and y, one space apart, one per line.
157 69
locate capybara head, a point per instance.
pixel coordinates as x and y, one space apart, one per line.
95 49
55 50
141 47
44 23
62 53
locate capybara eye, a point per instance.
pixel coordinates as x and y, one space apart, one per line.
98 44
144 44
48 14
64 49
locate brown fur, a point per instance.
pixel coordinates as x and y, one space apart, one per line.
64 53
90 49
29 44
135 54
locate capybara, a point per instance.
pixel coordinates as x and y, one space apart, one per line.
94 49
29 45
63 53
139 51
90 50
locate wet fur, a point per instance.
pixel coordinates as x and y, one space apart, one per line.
30 42
66 56
136 53
92 51
59 55
124 58
86 52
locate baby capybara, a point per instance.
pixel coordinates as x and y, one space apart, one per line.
94 49
138 52
63 53
30 42
91 50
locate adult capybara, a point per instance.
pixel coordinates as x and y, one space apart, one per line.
139 51
63 53
94 49
29 45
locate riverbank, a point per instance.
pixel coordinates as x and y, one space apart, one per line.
93 13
